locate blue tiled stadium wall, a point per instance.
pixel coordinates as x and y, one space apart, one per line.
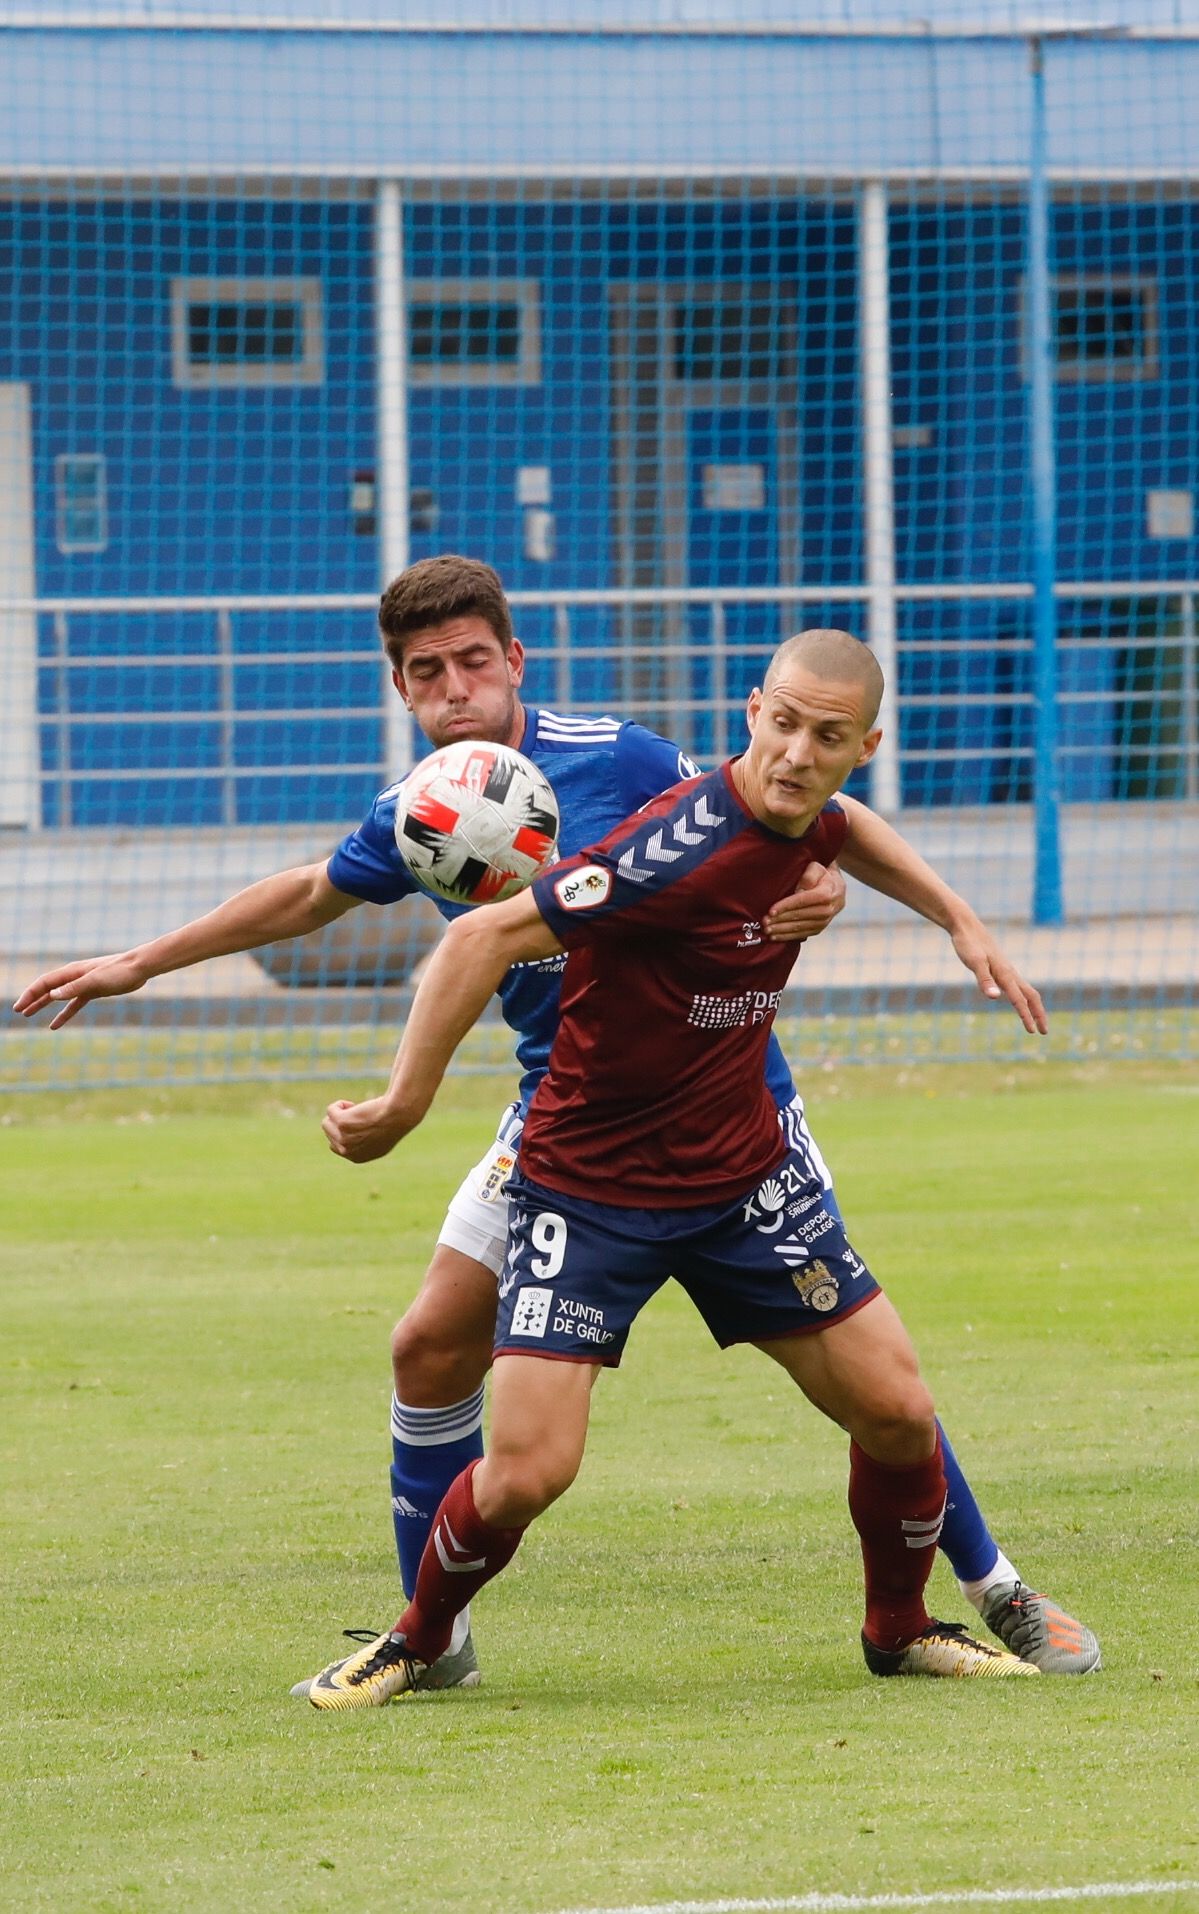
246 491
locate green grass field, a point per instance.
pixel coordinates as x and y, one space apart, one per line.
194 1308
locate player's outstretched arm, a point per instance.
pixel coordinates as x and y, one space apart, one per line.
463 973
289 904
877 855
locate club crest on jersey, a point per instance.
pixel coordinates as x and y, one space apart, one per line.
498 1171
817 1286
583 889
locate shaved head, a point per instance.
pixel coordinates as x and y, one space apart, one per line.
837 657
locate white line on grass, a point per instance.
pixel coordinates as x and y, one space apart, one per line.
852 1903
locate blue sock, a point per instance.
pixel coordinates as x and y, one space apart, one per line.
429 1448
965 1538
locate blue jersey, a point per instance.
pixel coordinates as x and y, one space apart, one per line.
601 770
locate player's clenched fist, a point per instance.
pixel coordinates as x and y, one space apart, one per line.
363 1131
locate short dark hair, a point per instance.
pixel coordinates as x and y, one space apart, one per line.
435 590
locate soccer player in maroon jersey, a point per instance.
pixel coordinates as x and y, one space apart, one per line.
653 1150
458 665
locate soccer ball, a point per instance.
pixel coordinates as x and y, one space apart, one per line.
476 822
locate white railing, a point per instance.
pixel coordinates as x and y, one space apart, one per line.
562 658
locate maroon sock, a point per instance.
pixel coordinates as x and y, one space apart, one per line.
462 1553
897 1512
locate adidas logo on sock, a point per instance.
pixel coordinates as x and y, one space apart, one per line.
403 1506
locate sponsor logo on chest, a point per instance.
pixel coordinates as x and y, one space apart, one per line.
736 1010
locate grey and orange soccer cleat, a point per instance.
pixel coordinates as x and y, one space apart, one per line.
382 1670
944 1648
1040 1632
457 1668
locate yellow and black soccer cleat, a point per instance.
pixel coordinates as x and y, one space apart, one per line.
944 1648
381 1671
457 1668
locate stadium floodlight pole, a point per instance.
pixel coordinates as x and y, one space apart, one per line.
874 328
391 439
1047 855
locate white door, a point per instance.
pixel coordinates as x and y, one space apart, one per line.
20 783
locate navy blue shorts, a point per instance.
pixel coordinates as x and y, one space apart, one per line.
773 1262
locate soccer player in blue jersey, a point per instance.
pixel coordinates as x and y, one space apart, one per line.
645 1156
459 667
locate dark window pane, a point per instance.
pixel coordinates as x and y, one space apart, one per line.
82 502
730 339
245 332
464 332
1100 325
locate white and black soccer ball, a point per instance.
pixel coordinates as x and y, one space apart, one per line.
476 822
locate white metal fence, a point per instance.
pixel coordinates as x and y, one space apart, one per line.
648 679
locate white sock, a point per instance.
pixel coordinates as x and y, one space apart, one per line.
1003 1571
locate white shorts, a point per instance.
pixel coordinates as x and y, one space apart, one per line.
476 1222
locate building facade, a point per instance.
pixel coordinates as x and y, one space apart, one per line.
626 315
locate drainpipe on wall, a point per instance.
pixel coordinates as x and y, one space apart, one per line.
874 323
1047 854
391 455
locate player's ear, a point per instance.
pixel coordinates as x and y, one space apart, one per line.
870 744
753 708
397 679
516 662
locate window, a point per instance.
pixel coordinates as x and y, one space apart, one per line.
739 339
81 501
252 332
464 332
246 332
1103 327
474 332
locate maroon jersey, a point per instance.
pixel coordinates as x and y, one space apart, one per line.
655 1092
